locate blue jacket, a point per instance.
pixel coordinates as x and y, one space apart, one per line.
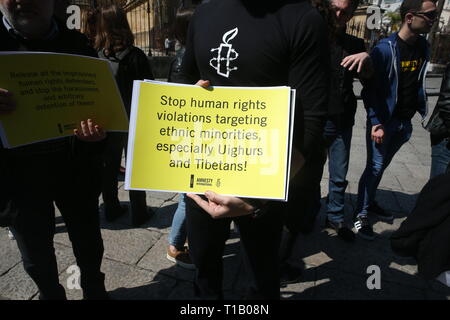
381 92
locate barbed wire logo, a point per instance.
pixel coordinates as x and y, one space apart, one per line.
225 54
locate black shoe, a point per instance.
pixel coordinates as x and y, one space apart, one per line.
138 218
363 228
113 213
289 274
380 213
342 230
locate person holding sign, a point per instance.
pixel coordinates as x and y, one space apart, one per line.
63 171
255 43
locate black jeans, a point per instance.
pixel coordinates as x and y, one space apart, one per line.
74 186
112 158
304 192
260 241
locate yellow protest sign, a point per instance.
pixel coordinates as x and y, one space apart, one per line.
234 141
53 93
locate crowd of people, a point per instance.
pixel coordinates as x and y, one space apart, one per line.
298 43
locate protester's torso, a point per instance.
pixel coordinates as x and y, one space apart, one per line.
65 41
412 58
248 50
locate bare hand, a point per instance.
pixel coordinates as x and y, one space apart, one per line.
378 133
90 132
203 83
7 104
219 206
359 59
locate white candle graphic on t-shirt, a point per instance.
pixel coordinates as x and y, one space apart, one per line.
225 54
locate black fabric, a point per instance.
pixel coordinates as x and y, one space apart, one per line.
439 124
342 98
411 59
131 64
74 187
304 192
425 234
277 43
259 236
175 74
128 65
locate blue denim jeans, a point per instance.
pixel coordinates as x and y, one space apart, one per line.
338 158
440 158
178 233
379 156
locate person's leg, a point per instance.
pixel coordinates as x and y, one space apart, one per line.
34 225
33 230
140 213
112 157
371 176
398 138
177 252
304 194
440 158
338 160
261 238
77 199
207 238
178 233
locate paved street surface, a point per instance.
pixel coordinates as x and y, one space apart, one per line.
136 267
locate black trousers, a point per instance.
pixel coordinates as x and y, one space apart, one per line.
73 185
260 241
112 158
304 192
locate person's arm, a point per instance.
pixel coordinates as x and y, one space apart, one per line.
373 99
374 89
189 73
309 74
359 62
443 103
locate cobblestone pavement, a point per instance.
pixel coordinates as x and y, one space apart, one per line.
136 267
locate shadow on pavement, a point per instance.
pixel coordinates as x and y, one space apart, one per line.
335 269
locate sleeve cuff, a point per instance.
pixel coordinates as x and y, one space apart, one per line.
374 120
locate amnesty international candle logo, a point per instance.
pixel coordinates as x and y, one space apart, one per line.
231 140
225 54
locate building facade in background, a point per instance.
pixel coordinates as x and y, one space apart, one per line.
150 20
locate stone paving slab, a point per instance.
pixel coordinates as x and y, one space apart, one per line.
9 253
125 282
17 285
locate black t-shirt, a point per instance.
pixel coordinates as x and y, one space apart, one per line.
342 98
411 60
262 43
